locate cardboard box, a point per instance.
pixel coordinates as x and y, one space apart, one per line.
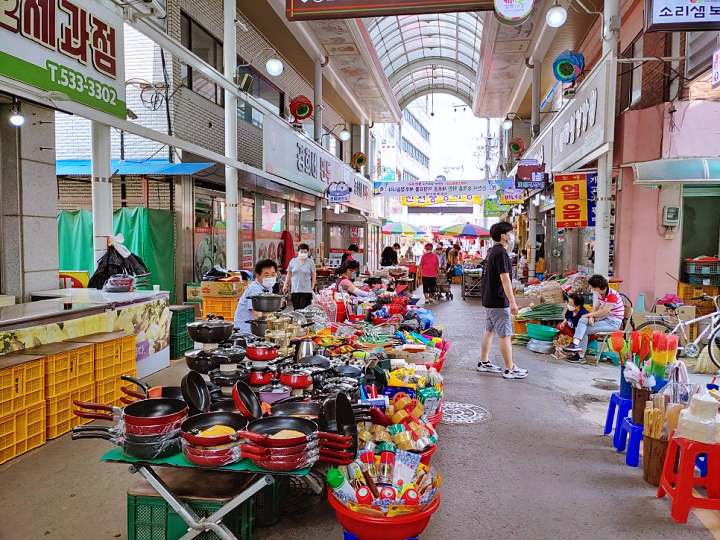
222 288
684 313
527 300
192 292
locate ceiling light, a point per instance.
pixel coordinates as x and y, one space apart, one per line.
507 124
274 67
556 16
16 119
345 135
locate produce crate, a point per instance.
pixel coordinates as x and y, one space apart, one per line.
705 267
703 279
22 431
86 393
22 382
128 355
115 353
68 366
180 344
108 391
220 305
151 518
59 411
181 316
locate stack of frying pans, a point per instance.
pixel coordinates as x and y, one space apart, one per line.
146 429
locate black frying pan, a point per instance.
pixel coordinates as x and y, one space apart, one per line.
140 450
191 428
260 431
147 412
146 439
246 400
223 405
304 409
195 392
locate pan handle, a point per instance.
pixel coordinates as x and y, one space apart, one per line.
136 382
94 406
127 401
132 393
106 436
94 416
334 437
254 437
91 429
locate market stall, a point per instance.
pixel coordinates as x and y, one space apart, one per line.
355 398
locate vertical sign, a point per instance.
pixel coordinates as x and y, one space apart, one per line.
592 196
716 69
571 200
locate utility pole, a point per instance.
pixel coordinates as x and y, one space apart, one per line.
232 231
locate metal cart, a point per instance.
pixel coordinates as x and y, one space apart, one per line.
471 283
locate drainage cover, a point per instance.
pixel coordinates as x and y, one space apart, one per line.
464 413
605 384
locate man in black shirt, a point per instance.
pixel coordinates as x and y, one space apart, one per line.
499 302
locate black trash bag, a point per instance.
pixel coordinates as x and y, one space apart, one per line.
113 263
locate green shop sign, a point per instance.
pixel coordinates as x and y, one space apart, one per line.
73 47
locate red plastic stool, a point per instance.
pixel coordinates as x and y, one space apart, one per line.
679 483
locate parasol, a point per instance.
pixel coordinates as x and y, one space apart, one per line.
466 229
402 228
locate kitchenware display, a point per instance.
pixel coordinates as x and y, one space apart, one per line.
267 302
352 372
262 352
200 361
275 431
213 428
317 361
260 377
211 459
296 378
275 391
229 355
299 409
259 326
195 392
210 331
156 448
304 349
223 405
147 412
150 392
246 400
225 379
278 323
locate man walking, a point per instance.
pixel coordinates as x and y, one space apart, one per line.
499 302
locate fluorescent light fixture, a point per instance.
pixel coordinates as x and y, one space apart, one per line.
274 66
556 16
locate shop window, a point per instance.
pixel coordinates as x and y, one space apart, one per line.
699 47
247 233
209 232
307 229
631 77
200 42
250 114
263 90
701 221
272 217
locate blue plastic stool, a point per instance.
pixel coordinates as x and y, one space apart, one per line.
635 434
351 536
618 408
701 464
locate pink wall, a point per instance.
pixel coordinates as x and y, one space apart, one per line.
643 257
639 135
693 130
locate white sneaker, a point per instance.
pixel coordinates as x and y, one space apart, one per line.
519 369
514 374
488 367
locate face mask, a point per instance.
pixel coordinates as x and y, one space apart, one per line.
428 251
303 255
571 307
269 282
510 242
353 275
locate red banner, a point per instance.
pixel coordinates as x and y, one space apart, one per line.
299 10
571 200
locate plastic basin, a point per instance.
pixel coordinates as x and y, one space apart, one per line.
382 528
541 332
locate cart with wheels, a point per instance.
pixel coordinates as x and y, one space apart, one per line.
471 283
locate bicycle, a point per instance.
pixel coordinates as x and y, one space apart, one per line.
671 323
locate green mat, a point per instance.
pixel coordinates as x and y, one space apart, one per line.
116 455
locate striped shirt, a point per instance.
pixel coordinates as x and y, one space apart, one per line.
615 301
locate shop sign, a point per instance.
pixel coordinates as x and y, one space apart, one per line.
338 192
361 195
432 189
571 200
512 196
678 15
305 10
513 10
74 47
493 208
716 69
592 196
387 174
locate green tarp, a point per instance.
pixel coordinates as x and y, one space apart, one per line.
148 233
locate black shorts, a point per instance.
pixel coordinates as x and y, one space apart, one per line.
429 285
301 300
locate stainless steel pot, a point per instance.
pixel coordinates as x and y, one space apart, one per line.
259 327
267 303
304 349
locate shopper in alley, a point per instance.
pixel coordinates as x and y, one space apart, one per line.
499 302
301 278
429 267
264 282
350 253
606 316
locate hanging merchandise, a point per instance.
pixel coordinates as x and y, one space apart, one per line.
513 12
301 108
358 161
517 147
568 66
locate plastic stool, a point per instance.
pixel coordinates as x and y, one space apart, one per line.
679 485
618 409
635 433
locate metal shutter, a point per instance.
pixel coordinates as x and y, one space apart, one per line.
699 48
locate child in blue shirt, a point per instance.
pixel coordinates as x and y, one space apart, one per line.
574 310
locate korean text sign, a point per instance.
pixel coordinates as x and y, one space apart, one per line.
74 47
571 200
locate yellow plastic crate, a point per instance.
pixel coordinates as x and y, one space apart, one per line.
108 353
85 393
59 412
84 368
128 355
109 391
22 431
22 382
221 306
68 366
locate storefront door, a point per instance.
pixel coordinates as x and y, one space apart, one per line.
209 232
701 222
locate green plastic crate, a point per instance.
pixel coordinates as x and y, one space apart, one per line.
180 344
151 518
181 316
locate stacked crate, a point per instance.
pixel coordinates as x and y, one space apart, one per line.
179 339
69 375
115 355
220 298
22 404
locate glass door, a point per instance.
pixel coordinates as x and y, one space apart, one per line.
209 232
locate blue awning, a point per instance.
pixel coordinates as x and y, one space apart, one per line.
158 167
683 170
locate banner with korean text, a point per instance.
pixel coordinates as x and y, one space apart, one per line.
571 200
71 47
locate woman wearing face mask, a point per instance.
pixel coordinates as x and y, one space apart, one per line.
265 280
429 268
301 278
347 273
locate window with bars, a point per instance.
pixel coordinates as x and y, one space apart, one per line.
415 153
414 123
699 48
407 176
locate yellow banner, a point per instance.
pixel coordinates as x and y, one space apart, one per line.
431 201
571 200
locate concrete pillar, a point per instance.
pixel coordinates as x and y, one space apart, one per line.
611 24
319 230
28 203
102 205
318 99
232 232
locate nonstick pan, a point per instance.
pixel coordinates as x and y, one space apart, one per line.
195 392
246 400
153 450
145 439
173 392
191 428
300 409
260 431
224 405
146 412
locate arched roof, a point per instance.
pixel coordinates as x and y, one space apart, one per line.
421 54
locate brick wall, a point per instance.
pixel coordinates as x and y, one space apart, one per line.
655 75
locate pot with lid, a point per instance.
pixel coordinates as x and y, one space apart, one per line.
210 331
267 302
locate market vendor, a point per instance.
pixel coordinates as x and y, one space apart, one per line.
346 274
606 316
574 311
301 278
264 282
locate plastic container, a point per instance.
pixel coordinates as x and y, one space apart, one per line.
427 455
366 527
221 306
181 316
21 386
22 431
179 345
59 411
541 332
